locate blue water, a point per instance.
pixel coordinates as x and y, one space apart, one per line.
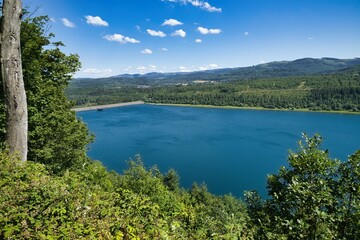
230 150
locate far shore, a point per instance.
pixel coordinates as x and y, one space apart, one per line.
253 108
101 107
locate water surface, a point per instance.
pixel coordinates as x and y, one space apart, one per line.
230 150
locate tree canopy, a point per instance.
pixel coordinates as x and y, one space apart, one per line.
56 136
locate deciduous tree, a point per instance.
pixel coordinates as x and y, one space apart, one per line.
12 78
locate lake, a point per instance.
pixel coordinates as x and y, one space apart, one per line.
231 150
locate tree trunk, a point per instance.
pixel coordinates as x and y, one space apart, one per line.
12 78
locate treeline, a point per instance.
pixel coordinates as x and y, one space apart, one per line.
334 92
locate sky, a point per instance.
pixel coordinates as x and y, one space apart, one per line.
115 37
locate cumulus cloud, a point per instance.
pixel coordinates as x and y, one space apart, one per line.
95 71
155 33
208 67
184 69
179 33
171 22
205 31
197 3
146 51
128 68
202 68
213 65
141 69
198 68
120 38
165 49
198 40
67 23
152 67
96 21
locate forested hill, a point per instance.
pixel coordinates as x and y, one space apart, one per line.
335 91
300 67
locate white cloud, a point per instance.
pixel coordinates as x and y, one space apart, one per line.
67 23
120 38
141 69
184 69
128 68
198 40
95 71
152 67
155 33
208 67
179 33
205 31
172 22
206 6
131 40
96 21
165 49
146 51
198 3
246 34
200 68
213 65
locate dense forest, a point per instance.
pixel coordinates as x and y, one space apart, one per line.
59 193
335 92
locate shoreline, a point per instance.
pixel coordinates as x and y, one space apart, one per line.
254 108
101 107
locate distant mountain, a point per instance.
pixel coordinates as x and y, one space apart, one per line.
299 67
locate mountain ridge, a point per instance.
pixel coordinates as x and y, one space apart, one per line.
325 61
298 67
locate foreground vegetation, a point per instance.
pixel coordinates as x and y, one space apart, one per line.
59 193
315 197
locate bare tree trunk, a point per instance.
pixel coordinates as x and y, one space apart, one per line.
12 77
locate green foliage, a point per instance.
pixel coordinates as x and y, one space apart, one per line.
96 204
171 180
347 191
36 205
314 198
56 136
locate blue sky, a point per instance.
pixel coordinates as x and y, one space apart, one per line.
138 36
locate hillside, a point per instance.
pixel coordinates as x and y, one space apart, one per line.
335 91
300 67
